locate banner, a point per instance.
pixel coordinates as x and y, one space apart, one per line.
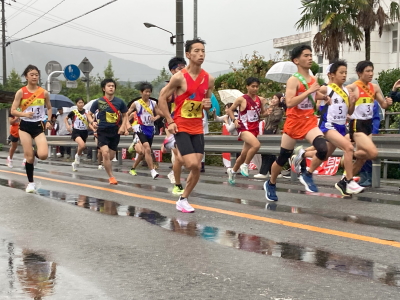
328 167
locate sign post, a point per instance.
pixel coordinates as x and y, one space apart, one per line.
86 67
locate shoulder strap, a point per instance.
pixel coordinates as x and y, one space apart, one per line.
335 88
113 108
366 89
304 82
194 87
31 99
80 117
146 107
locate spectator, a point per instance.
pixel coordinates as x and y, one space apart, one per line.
62 130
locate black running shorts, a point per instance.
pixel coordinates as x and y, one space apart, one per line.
13 139
189 143
33 128
108 137
144 138
364 126
79 133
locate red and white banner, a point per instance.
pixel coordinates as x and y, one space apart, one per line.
158 155
328 167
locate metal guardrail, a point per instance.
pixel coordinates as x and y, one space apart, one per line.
388 147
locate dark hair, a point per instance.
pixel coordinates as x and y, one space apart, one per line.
107 80
228 105
144 85
190 43
362 65
175 61
335 66
30 68
279 96
297 51
251 80
79 99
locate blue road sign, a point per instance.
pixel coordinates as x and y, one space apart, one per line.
72 72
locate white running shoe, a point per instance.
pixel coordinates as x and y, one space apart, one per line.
183 205
244 170
353 187
9 162
171 177
74 167
231 176
58 154
31 188
154 174
100 167
299 151
77 159
115 159
261 176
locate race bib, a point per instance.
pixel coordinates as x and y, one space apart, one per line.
38 113
306 103
252 116
80 125
192 109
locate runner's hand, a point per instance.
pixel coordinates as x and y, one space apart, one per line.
69 129
206 103
94 124
353 98
29 114
236 123
389 101
396 85
49 126
172 128
314 87
328 100
121 131
153 119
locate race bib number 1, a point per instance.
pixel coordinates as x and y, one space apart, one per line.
192 109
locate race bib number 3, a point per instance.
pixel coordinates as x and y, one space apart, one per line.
192 109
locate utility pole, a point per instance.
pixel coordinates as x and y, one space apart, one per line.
179 28
398 42
195 20
3 44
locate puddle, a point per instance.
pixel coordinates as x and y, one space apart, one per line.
389 275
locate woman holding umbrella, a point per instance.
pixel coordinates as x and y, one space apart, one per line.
28 105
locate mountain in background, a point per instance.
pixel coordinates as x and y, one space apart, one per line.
20 54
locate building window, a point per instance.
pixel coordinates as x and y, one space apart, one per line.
321 70
394 40
320 59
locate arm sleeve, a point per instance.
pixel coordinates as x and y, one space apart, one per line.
94 107
376 120
395 96
220 119
123 109
71 115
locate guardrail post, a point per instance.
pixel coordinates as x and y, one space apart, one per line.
385 168
233 159
94 155
376 173
73 152
54 151
293 175
387 119
119 153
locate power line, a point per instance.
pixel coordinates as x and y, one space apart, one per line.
239 46
62 23
38 18
25 7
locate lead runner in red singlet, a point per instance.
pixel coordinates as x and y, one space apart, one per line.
193 87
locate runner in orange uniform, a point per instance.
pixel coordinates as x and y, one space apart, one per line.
193 87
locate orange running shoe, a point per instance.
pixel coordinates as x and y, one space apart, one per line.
112 180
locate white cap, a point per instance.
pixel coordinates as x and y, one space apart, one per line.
328 69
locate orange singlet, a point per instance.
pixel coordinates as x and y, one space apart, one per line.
188 115
301 119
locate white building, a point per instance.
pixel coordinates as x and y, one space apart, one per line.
383 49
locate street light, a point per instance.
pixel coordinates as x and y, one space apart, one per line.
171 39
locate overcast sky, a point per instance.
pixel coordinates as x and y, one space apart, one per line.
223 24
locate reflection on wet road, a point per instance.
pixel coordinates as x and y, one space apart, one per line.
386 274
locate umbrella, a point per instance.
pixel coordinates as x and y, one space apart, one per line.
229 96
60 101
215 105
282 71
88 105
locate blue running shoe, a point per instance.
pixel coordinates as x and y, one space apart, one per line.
308 182
270 191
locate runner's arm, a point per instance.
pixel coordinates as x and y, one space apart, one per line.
384 103
15 105
13 120
322 91
291 89
49 109
168 90
231 110
158 112
211 81
66 121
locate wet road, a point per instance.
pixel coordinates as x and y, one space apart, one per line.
81 238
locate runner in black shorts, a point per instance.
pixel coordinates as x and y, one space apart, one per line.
13 138
80 132
29 105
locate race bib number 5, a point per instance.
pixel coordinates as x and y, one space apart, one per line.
192 109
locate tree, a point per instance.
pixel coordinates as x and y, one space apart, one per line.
373 15
109 72
14 82
159 82
336 18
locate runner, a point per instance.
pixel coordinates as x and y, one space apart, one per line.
147 112
301 122
13 138
110 123
31 101
333 124
251 109
175 65
192 87
79 131
360 125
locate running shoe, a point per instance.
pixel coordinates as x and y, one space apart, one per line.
244 170
171 177
58 154
183 205
308 182
74 167
353 187
341 187
77 159
178 189
261 176
100 167
112 180
132 172
115 159
23 162
270 191
231 176
299 151
9 162
154 174
285 174
31 188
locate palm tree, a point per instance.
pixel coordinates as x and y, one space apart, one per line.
373 15
338 26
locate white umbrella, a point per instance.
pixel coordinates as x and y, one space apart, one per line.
229 96
88 105
282 71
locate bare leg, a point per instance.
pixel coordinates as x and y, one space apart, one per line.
192 162
250 148
106 152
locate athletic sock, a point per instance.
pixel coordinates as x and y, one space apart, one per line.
29 171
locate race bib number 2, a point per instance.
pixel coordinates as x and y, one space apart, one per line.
192 109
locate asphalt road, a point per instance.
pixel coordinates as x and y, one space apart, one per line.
81 238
